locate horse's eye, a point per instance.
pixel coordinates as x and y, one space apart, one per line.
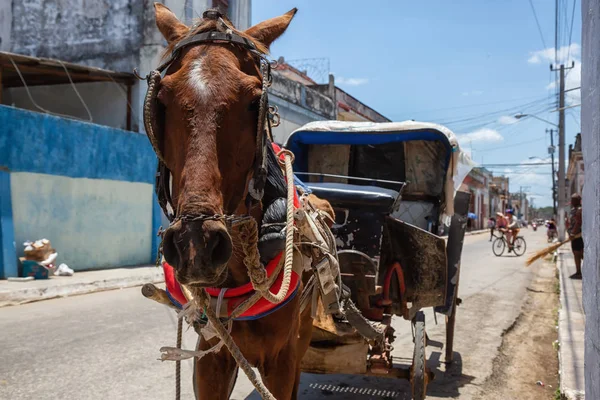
254 106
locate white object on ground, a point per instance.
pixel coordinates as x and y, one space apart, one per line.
64 270
20 279
49 260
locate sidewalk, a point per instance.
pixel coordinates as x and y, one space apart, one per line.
571 326
14 293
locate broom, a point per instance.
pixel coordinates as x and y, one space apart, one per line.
548 250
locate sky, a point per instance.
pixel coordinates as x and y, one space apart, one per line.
469 65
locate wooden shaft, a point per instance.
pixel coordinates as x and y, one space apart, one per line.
151 292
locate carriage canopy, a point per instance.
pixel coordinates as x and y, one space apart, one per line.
425 156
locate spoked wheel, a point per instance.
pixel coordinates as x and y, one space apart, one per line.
418 374
498 246
520 246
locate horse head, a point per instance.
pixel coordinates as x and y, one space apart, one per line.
210 95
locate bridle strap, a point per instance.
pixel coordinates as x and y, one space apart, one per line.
209 37
258 181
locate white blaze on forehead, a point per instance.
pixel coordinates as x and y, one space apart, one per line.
197 79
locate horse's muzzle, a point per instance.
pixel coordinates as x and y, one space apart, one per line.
198 250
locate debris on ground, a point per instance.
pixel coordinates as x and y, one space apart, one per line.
38 261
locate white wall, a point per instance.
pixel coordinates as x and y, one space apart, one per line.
590 135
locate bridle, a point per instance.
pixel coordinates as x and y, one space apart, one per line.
154 118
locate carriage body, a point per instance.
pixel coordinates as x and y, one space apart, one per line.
393 187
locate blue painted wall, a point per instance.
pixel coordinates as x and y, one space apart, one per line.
33 142
8 255
77 184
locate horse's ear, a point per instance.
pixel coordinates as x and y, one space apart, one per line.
171 28
267 31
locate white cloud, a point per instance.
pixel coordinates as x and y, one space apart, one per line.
563 53
473 93
481 135
507 120
351 81
573 76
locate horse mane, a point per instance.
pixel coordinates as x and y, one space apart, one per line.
275 187
209 25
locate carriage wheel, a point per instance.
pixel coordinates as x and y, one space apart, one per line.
498 246
418 375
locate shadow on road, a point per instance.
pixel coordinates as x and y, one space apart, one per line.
445 384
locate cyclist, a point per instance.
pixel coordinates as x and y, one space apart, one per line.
512 229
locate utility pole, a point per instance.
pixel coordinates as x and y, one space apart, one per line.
561 154
551 150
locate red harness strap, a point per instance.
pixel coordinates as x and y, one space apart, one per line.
235 296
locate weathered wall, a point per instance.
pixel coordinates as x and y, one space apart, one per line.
101 33
5 24
590 133
80 185
107 101
298 105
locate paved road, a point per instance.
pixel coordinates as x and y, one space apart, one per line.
105 345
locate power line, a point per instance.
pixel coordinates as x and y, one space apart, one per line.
538 24
471 105
575 119
517 108
571 33
513 144
516 164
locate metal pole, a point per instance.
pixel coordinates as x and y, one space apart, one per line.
553 173
561 157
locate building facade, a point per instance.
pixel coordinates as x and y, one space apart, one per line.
576 168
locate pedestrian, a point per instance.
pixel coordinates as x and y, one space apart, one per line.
491 225
574 229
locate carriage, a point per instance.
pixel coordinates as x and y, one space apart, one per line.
393 187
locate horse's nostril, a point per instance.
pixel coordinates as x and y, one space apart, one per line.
170 250
219 248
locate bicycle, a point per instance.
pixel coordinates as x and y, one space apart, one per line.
500 244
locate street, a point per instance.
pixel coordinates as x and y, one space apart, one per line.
105 345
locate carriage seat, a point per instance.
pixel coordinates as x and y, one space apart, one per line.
359 214
347 195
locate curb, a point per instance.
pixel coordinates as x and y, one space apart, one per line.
478 232
564 336
28 295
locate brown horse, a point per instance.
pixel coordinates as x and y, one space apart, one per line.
210 95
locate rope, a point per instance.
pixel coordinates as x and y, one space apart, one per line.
249 240
178 362
289 233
